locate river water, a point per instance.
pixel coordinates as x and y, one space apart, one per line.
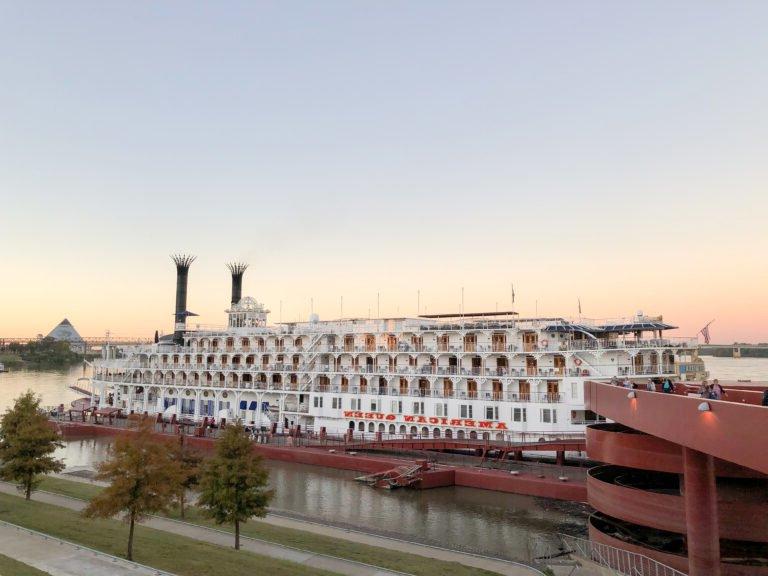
505 525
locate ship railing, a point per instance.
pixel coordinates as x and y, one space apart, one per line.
621 369
623 562
551 347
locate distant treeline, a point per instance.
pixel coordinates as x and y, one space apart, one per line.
728 352
45 353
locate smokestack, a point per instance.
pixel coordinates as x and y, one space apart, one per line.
237 269
183 262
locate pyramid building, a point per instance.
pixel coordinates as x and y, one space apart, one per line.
65 332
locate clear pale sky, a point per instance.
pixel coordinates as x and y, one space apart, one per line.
614 152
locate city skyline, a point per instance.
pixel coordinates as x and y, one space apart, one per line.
612 153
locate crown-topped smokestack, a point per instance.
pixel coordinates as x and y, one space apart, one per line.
183 262
237 269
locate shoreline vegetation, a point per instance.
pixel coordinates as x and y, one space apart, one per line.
409 563
727 352
44 354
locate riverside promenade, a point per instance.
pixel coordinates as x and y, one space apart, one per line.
302 557
61 558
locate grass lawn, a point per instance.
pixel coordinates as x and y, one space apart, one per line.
383 557
177 554
70 488
11 567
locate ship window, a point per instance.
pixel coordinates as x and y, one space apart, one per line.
397 406
355 403
441 409
520 414
465 410
491 412
418 407
374 405
549 416
318 401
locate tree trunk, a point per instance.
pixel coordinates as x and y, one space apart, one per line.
130 539
28 490
181 504
237 534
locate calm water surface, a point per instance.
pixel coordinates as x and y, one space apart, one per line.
477 520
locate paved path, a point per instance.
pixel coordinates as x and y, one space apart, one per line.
60 558
484 562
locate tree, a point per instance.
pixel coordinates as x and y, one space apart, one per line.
189 461
27 444
144 479
233 485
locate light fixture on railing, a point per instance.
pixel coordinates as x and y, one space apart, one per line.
704 407
632 395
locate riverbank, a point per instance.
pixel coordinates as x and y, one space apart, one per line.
44 354
310 538
156 548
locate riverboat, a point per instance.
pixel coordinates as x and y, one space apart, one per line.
491 375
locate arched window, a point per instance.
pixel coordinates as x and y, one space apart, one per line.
361 426
391 429
436 433
371 427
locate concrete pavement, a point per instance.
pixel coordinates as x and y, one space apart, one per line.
61 558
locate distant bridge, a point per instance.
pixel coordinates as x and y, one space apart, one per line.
90 341
736 349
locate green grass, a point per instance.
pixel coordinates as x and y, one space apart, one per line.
70 488
11 567
156 548
382 557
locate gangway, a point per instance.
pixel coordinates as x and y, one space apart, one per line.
397 477
80 388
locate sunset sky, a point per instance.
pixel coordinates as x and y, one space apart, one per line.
612 152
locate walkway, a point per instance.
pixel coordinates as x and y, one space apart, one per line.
338 565
61 558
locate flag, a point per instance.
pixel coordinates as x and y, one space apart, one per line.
579 305
705 332
512 286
